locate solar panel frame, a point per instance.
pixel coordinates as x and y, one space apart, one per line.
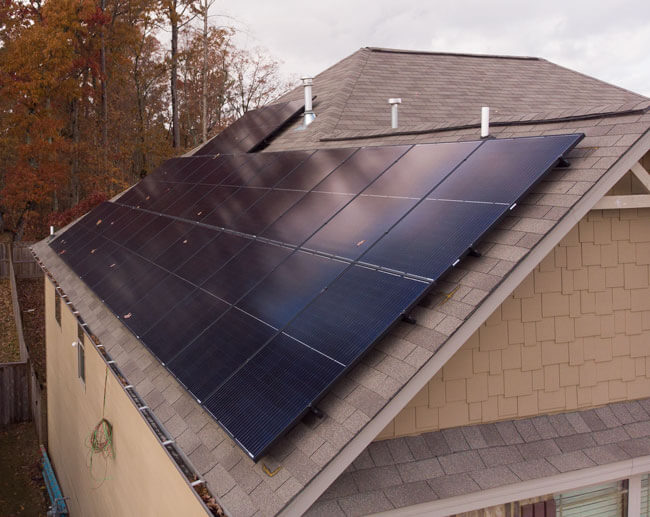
115 215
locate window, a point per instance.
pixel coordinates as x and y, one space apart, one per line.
57 306
645 497
603 501
81 361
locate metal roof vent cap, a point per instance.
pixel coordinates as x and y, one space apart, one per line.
394 103
309 109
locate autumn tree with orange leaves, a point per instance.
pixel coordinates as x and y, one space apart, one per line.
86 104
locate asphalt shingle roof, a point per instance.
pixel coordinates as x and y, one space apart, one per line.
244 488
417 469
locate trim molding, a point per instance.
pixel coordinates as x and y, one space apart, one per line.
321 481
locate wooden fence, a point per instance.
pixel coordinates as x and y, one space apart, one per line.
14 393
24 264
21 393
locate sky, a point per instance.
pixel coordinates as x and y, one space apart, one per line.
608 40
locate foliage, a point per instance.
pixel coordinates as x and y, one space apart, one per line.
86 101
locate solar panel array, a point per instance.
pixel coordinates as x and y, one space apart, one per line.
258 279
252 129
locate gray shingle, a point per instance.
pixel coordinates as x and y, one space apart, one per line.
461 462
508 433
610 436
503 455
533 469
592 420
527 430
607 416
575 442
324 508
494 477
577 423
561 424
636 446
455 439
474 437
622 413
436 443
544 427
376 478
420 470
380 454
539 449
571 461
410 494
604 454
450 486
399 450
638 429
418 447
363 504
343 486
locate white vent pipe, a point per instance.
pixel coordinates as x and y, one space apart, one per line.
394 120
485 122
309 109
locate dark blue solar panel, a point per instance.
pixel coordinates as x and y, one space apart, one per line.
250 130
306 216
219 351
256 326
354 311
360 169
501 171
359 225
244 271
275 387
196 312
433 236
212 257
282 294
421 169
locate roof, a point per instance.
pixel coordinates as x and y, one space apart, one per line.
317 451
416 469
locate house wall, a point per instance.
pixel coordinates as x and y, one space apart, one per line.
574 334
141 479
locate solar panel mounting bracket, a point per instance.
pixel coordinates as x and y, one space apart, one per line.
473 252
407 318
317 412
563 163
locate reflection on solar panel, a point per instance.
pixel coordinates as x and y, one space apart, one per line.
252 129
259 279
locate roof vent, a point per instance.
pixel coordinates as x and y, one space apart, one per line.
393 111
485 122
309 110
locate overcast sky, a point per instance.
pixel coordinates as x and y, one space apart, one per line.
608 40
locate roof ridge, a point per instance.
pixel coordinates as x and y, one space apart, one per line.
593 78
537 118
347 87
454 54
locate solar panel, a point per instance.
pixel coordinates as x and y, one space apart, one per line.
283 269
252 129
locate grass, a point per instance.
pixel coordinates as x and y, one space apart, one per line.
22 492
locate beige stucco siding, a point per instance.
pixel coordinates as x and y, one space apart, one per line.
575 333
141 480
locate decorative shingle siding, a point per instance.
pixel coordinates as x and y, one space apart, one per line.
575 333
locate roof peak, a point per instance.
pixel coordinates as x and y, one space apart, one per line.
454 54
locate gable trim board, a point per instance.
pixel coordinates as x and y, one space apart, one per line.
527 489
304 499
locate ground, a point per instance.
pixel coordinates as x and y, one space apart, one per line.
9 351
31 298
21 486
